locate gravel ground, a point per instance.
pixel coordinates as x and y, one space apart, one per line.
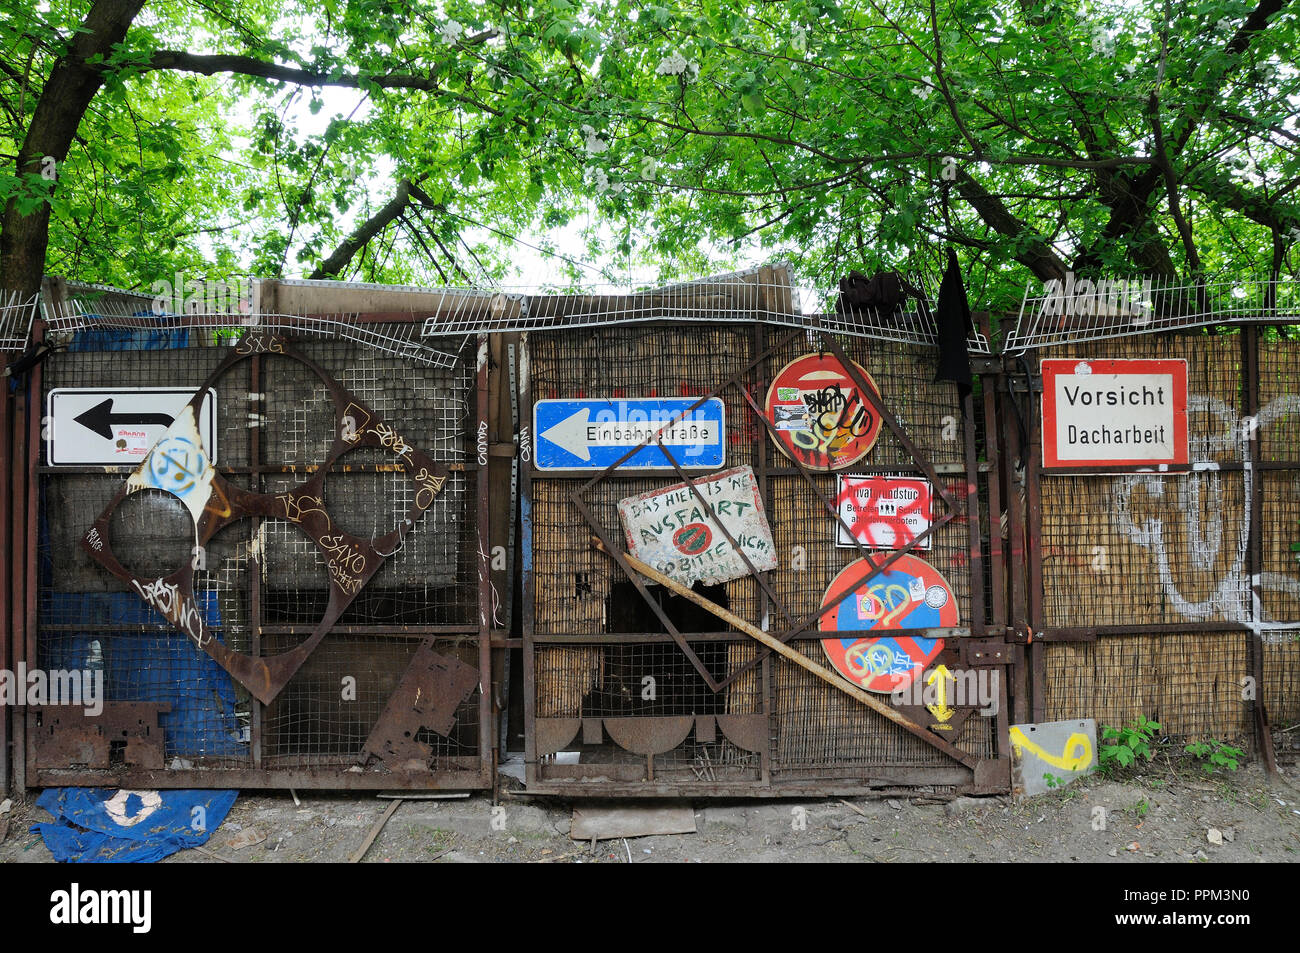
1170 815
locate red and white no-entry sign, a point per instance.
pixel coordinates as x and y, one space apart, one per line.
1120 413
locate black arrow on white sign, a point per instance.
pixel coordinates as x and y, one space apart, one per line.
100 419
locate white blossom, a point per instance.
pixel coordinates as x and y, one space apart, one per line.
677 65
921 92
602 181
451 31
594 145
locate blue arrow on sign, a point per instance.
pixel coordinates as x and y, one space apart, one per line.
592 434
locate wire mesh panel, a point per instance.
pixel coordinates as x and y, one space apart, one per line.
1189 682
618 710
358 712
1201 560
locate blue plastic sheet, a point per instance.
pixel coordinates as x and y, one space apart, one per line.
105 825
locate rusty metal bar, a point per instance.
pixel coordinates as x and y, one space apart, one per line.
825 674
6 622
257 710
760 578
29 556
1250 345
699 403
487 735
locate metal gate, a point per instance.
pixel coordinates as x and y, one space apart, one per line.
292 593
1171 594
630 690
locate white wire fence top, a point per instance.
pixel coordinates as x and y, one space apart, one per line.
16 315
226 306
766 294
423 324
1076 310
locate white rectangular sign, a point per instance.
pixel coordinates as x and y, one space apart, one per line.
1114 413
883 512
98 426
670 529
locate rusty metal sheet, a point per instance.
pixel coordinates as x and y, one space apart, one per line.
431 690
180 464
125 733
673 530
649 735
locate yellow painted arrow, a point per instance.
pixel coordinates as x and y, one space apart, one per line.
939 679
1075 756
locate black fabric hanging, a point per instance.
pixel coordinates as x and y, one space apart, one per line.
952 315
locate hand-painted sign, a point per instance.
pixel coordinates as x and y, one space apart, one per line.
1114 413
671 530
883 512
592 434
90 426
910 594
820 418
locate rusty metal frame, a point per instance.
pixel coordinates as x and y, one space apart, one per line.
988 774
456 772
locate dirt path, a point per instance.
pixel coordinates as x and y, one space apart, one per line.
1162 816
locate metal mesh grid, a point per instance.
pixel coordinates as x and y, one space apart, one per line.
1280 692
1075 314
1279 400
316 721
16 315
800 524
144 659
1190 683
1142 549
1279 583
431 580
432 406
818 727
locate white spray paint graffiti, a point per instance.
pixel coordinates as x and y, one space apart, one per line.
1233 597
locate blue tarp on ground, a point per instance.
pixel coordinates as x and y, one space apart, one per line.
104 825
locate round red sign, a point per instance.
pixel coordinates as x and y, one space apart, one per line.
693 539
819 416
910 594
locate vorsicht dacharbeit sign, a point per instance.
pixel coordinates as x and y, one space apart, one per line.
1114 413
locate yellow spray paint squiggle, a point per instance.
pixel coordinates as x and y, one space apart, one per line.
1077 743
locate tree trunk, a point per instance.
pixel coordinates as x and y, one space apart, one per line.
73 83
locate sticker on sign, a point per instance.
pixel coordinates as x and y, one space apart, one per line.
671 530
1114 412
95 426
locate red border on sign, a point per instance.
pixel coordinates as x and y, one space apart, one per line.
1055 367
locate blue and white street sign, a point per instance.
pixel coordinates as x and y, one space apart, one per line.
592 434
